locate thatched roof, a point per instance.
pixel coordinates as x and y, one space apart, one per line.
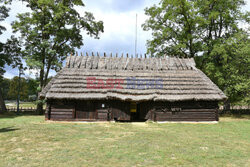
174 79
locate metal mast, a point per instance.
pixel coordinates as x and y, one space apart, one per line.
135 34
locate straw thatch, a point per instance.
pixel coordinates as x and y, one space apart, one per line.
180 79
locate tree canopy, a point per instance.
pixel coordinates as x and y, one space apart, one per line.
4 58
51 31
187 28
10 86
13 89
209 31
228 66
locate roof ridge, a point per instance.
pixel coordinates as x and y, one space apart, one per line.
109 62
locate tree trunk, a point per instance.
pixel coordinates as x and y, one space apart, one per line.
18 94
2 104
226 106
39 108
45 36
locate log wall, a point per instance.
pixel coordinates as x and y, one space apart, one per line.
60 110
185 111
186 115
119 110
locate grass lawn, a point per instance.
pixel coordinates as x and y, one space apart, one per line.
30 141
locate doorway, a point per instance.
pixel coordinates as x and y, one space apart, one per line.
136 115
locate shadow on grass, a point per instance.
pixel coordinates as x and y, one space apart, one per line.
8 129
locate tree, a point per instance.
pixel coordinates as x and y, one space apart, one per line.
4 85
50 32
174 29
33 84
13 89
187 28
209 31
228 65
2 104
12 49
4 58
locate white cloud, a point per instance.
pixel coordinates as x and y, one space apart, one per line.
119 30
119 27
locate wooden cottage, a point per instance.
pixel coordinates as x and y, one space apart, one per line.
96 88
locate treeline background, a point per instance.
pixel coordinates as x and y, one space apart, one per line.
28 88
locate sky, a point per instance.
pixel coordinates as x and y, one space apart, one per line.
119 17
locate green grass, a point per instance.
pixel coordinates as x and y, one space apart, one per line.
31 141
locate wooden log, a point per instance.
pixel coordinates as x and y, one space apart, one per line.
61 113
198 110
71 119
186 115
190 119
61 110
60 116
102 116
53 106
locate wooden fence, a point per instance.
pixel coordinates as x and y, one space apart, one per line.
235 110
22 109
237 107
